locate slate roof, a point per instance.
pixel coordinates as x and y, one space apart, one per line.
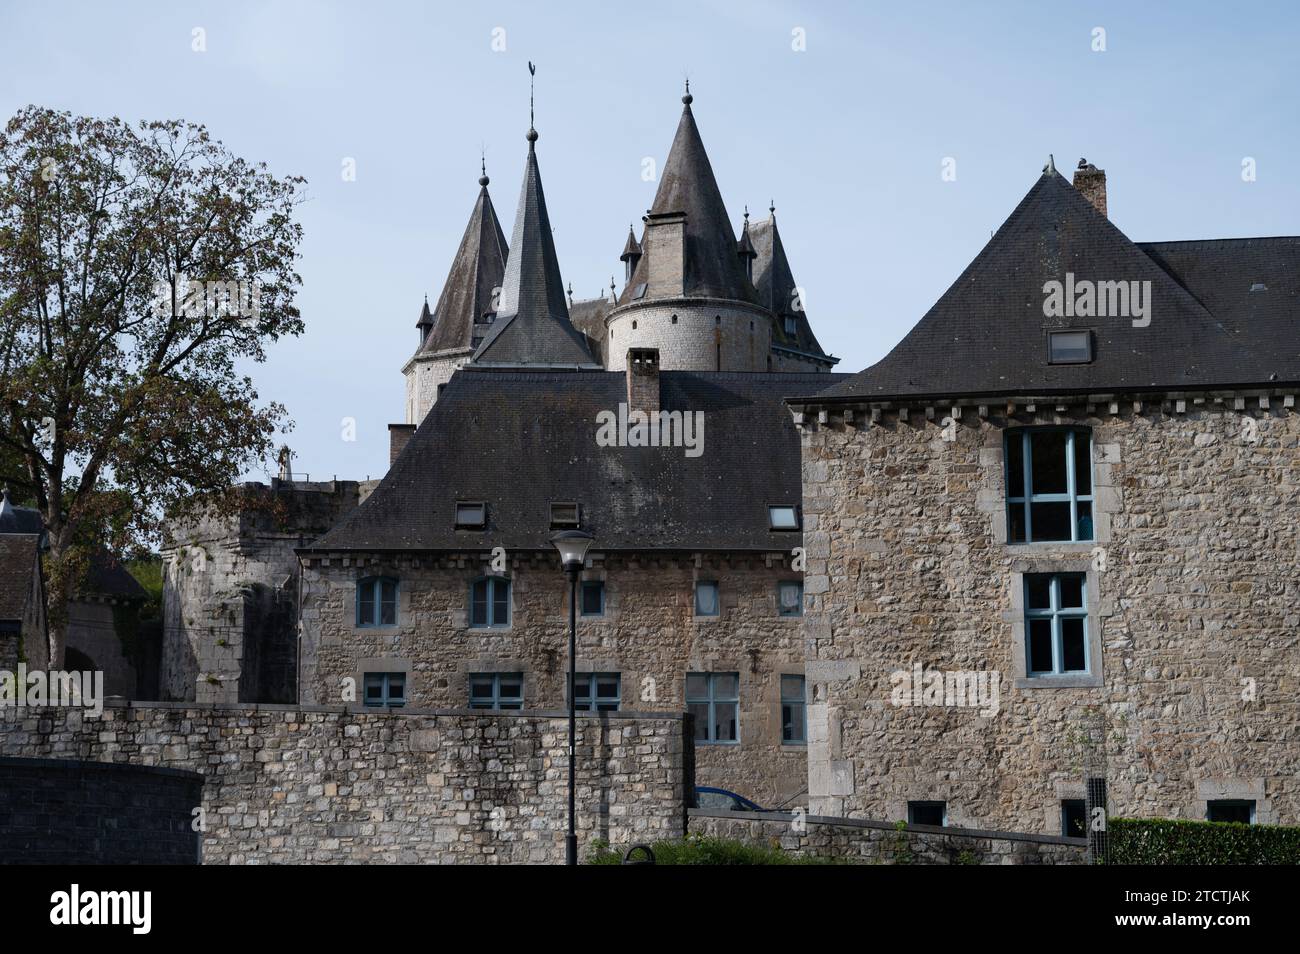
532 324
106 576
987 335
776 286
520 440
588 316
14 519
686 184
18 561
478 268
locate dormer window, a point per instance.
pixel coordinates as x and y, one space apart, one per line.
1069 347
471 515
564 516
783 518
791 325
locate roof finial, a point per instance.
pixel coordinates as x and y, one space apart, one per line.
482 164
771 207
746 213
532 126
688 98
1050 168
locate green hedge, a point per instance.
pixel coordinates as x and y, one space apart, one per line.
700 850
1155 841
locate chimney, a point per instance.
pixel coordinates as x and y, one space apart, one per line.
399 435
1091 183
664 245
643 380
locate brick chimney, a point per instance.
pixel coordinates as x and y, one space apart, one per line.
399 435
643 380
1091 183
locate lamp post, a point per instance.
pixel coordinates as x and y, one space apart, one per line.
572 545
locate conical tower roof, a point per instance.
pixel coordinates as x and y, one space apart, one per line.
532 324
713 269
777 290
477 273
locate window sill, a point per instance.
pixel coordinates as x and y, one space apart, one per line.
1080 681
1037 546
724 744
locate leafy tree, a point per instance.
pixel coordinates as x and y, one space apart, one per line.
139 265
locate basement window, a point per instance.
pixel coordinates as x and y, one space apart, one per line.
783 518
1241 811
471 515
564 516
927 813
1074 818
1069 347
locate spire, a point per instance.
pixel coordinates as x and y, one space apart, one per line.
532 324
687 186
777 289
631 255
474 282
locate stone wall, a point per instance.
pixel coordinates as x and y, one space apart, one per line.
649 634
874 842
326 785
1193 585
424 374
691 334
56 811
230 590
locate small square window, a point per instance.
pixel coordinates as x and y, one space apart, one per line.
706 598
791 325
1074 818
598 692
783 518
593 598
927 813
1069 347
789 598
496 690
794 724
385 689
1241 811
564 516
471 516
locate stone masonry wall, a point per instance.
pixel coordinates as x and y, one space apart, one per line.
873 842
286 784
691 334
1194 592
649 635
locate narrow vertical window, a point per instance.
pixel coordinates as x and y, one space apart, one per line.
489 602
706 598
593 598
789 598
794 726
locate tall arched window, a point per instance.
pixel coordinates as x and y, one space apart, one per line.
377 601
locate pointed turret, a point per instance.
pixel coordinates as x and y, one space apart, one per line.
631 255
709 266
532 324
745 249
474 283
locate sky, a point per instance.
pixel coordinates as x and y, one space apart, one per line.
847 114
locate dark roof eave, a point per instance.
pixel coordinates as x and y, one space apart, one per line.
806 400
781 546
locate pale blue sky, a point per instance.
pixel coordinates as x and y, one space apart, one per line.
847 136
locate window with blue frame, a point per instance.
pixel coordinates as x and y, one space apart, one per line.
1056 624
598 692
713 698
593 598
385 689
496 690
794 722
489 602
1049 485
377 601
706 598
789 598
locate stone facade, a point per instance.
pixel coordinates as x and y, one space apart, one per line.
293 785
693 334
874 842
230 591
1193 584
425 374
648 634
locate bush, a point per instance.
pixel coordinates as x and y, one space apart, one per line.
1157 841
702 850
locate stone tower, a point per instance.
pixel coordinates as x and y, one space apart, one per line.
465 310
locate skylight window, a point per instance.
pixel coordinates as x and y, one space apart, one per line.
564 516
639 291
1069 347
471 515
783 518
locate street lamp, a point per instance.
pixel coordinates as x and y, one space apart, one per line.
572 545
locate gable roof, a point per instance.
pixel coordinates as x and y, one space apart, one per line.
776 288
532 324
686 184
520 440
987 335
476 272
